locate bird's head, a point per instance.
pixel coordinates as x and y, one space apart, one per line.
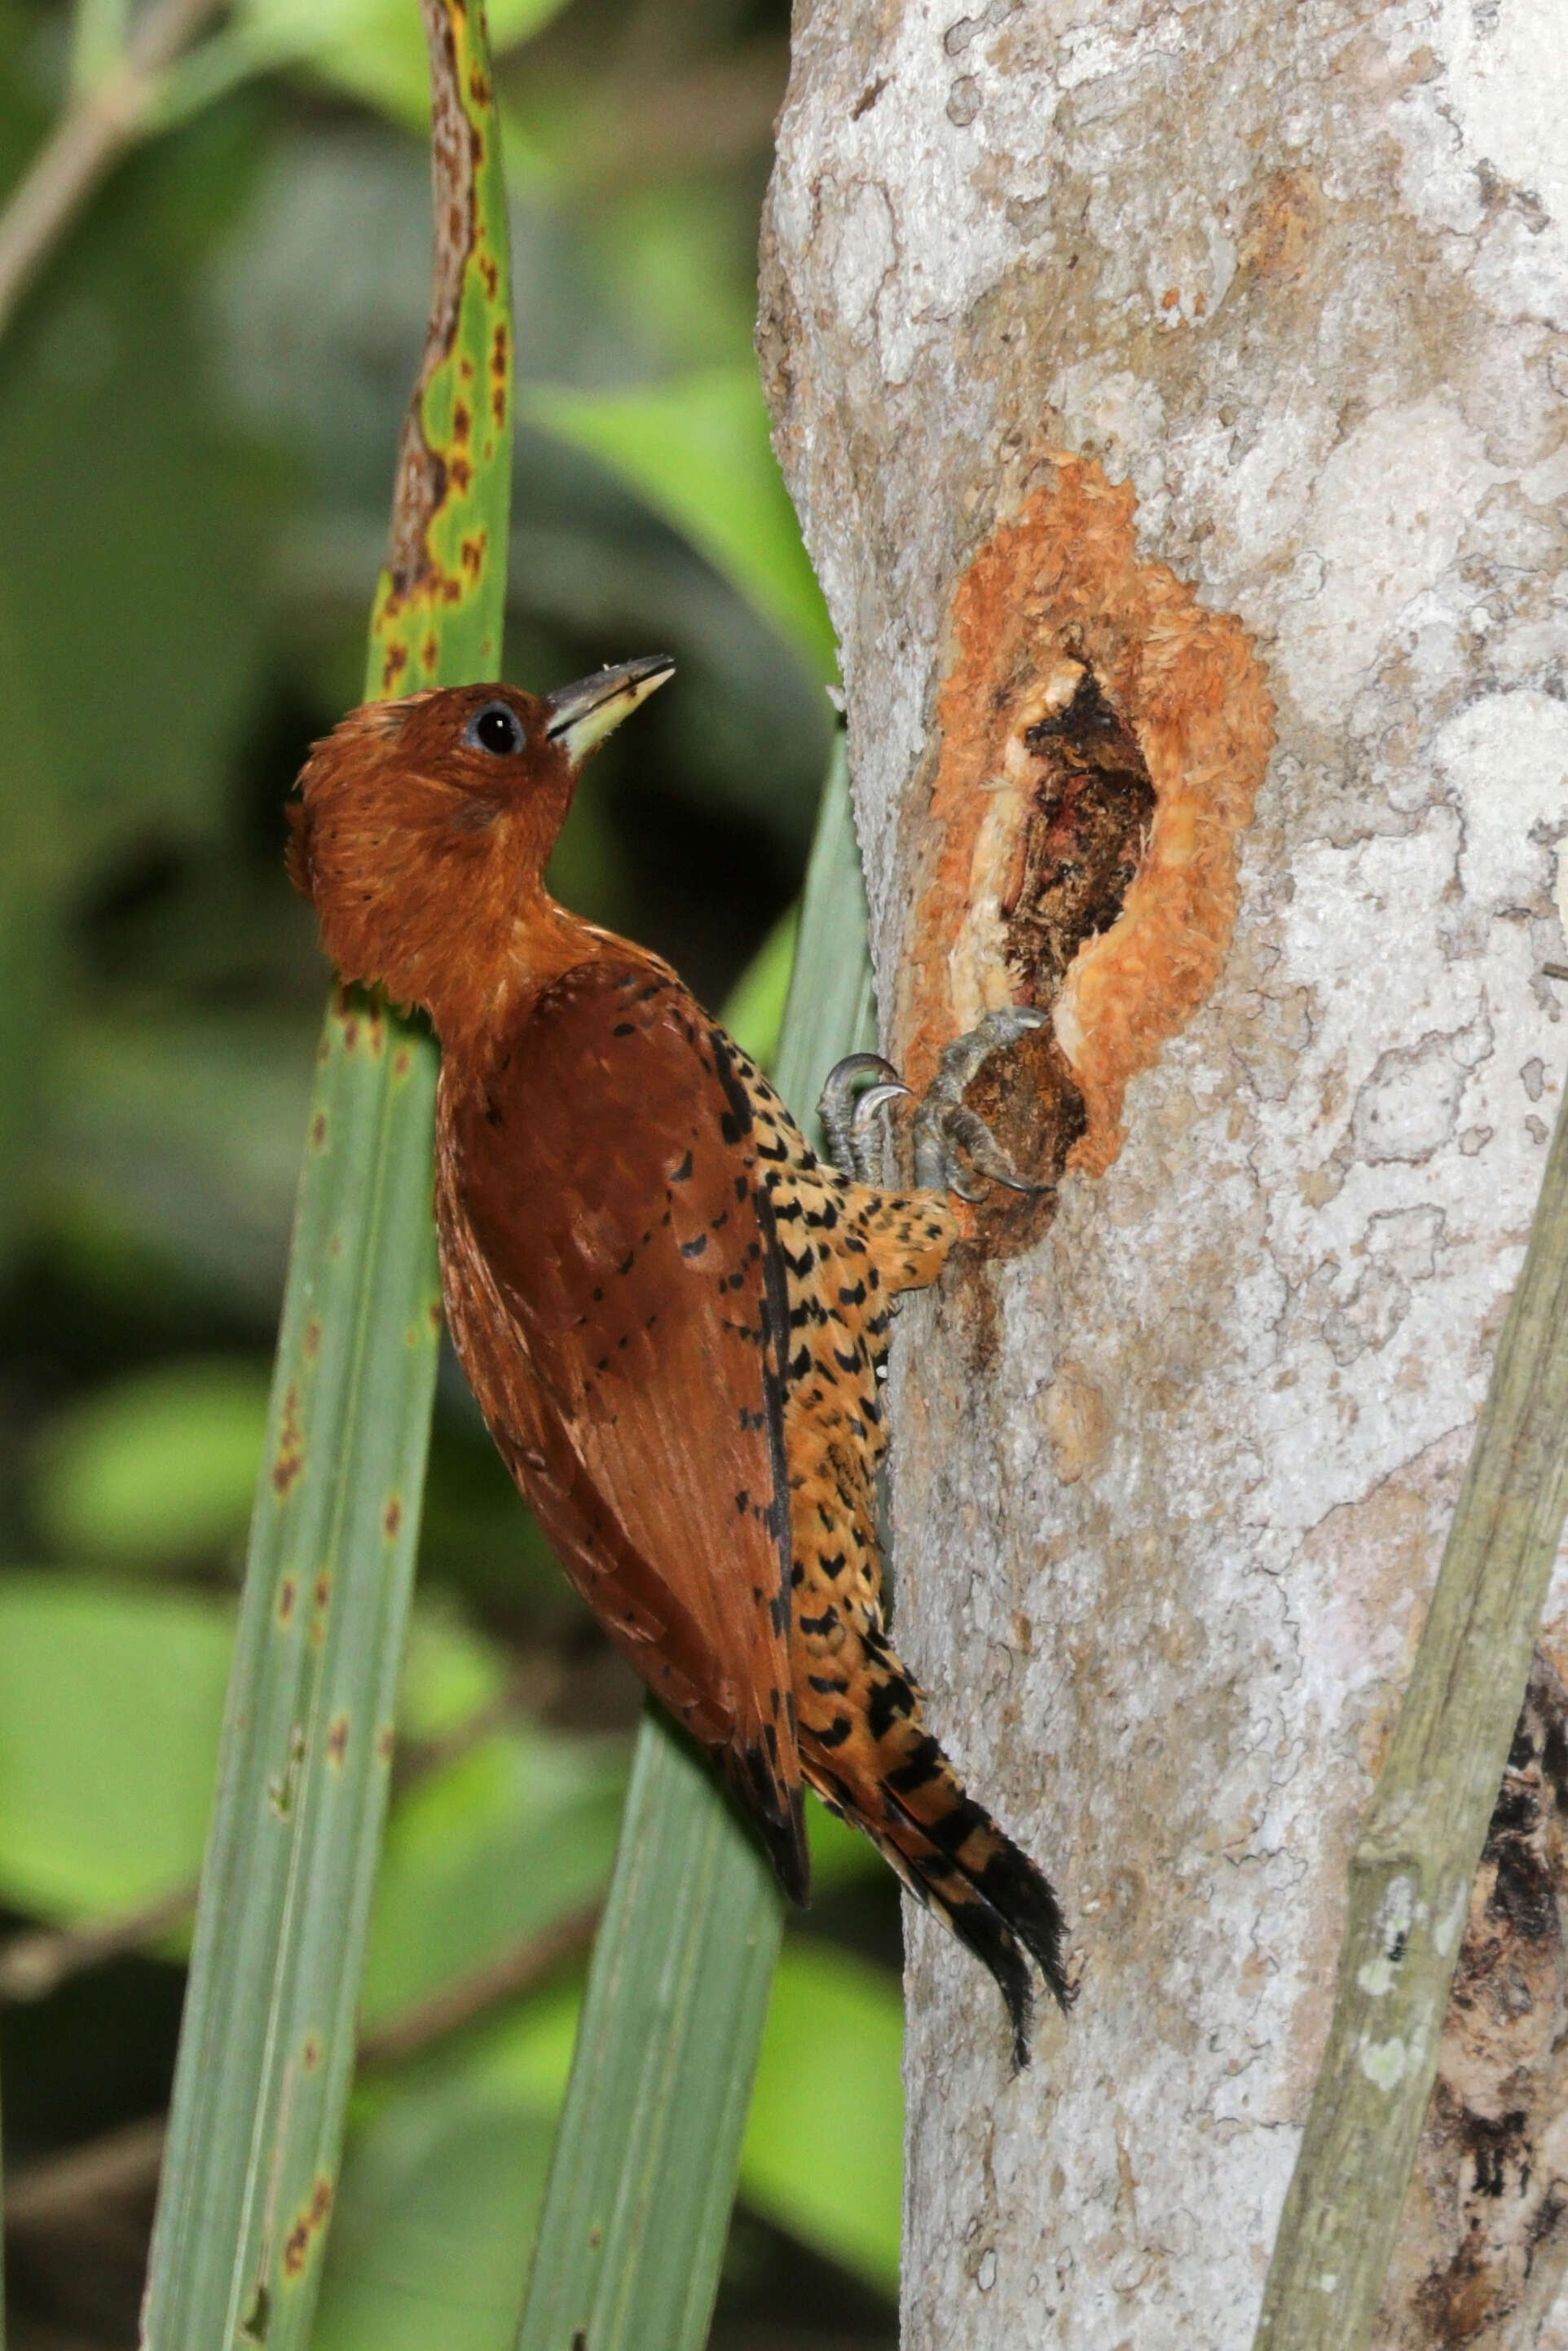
423 827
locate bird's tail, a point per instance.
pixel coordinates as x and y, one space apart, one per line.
887 1775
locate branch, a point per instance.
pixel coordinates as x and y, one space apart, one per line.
35 1964
1422 1837
94 132
468 1997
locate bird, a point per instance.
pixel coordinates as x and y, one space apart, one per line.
674 1313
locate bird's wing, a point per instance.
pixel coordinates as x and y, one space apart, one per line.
606 1178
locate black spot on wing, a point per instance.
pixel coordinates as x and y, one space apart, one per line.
738 1121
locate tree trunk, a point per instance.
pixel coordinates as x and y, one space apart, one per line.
1056 296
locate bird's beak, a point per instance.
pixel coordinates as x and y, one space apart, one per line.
582 715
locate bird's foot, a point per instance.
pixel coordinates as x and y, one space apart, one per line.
953 1144
849 1118
947 1133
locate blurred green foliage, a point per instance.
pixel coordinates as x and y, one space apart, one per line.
697 450
199 404
110 1705
155 1470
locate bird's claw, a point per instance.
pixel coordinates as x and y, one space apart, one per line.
944 1125
953 1144
849 1119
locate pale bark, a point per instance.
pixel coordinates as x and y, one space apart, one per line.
1171 1485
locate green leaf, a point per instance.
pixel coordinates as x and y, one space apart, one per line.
444 2177
433 2232
824 2141
495 1848
109 1706
697 450
643 2169
754 1014
267 2043
451 1672
111 1703
180 1134
372 49
375 49
838 1851
442 2188
158 1469
131 585
130 589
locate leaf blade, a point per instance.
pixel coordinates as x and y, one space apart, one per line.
267 2048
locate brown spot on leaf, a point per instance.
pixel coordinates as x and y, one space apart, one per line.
287 1593
288 1467
391 1519
307 2229
318 1132
311 2052
312 1338
500 347
338 1740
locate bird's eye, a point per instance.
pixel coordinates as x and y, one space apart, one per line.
495 728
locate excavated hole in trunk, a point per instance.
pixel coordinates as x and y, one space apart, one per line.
1090 808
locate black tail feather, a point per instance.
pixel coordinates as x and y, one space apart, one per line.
777 1813
1026 1898
1007 1909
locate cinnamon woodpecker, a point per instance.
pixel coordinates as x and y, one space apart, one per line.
674 1316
